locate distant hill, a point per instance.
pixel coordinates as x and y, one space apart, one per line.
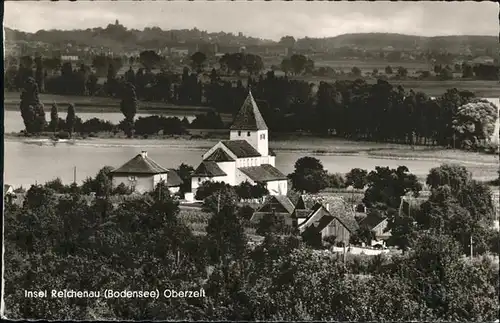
117 38
401 42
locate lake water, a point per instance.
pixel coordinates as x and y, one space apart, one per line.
13 122
27 163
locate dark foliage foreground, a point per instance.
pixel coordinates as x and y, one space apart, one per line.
68 243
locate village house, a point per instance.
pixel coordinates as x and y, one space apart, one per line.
377 224
329 216
280 205
142 174
244 157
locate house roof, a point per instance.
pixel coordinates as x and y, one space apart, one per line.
278 204
249 117
219 155
209 169
371 221
263 173
337 207
140 164
241 148
173 179
318 217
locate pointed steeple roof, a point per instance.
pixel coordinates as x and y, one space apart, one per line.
249 117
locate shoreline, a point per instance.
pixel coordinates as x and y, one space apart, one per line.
108 109
390 151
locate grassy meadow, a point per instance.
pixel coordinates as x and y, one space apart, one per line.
100 104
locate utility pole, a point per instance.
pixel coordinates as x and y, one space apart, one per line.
218 203
74 175
471 246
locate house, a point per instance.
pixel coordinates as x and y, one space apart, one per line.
279 205
8 189
330 215
378 225
244 157
142 174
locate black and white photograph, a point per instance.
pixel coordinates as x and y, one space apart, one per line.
251 161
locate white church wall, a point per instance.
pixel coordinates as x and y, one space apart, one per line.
230 169
257 139
277 187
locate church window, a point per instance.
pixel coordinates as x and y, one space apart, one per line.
263 136
239 133
248 134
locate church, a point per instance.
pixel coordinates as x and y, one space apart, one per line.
244 157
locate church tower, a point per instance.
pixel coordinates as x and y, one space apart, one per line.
249 125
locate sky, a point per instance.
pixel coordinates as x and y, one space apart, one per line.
268 20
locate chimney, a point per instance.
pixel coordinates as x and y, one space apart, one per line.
327 206
144 154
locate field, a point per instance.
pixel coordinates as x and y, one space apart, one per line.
101 104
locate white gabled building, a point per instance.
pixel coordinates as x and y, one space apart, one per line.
142 174
244 157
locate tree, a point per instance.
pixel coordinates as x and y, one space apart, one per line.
233 62
111 83
388 70
474 122
253 64
357 178
286 65
71 118
467 71
298 63
455 176
402 72
149 59
223 197
386 186
103 184
226 236
363 234
287 41
128 107
271 224
356 71
54 118
32 110
309 67
39 74
383 196
197 60
446 73
309 175
185 171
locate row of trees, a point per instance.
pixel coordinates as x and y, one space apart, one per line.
141 244
33 114
349 109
